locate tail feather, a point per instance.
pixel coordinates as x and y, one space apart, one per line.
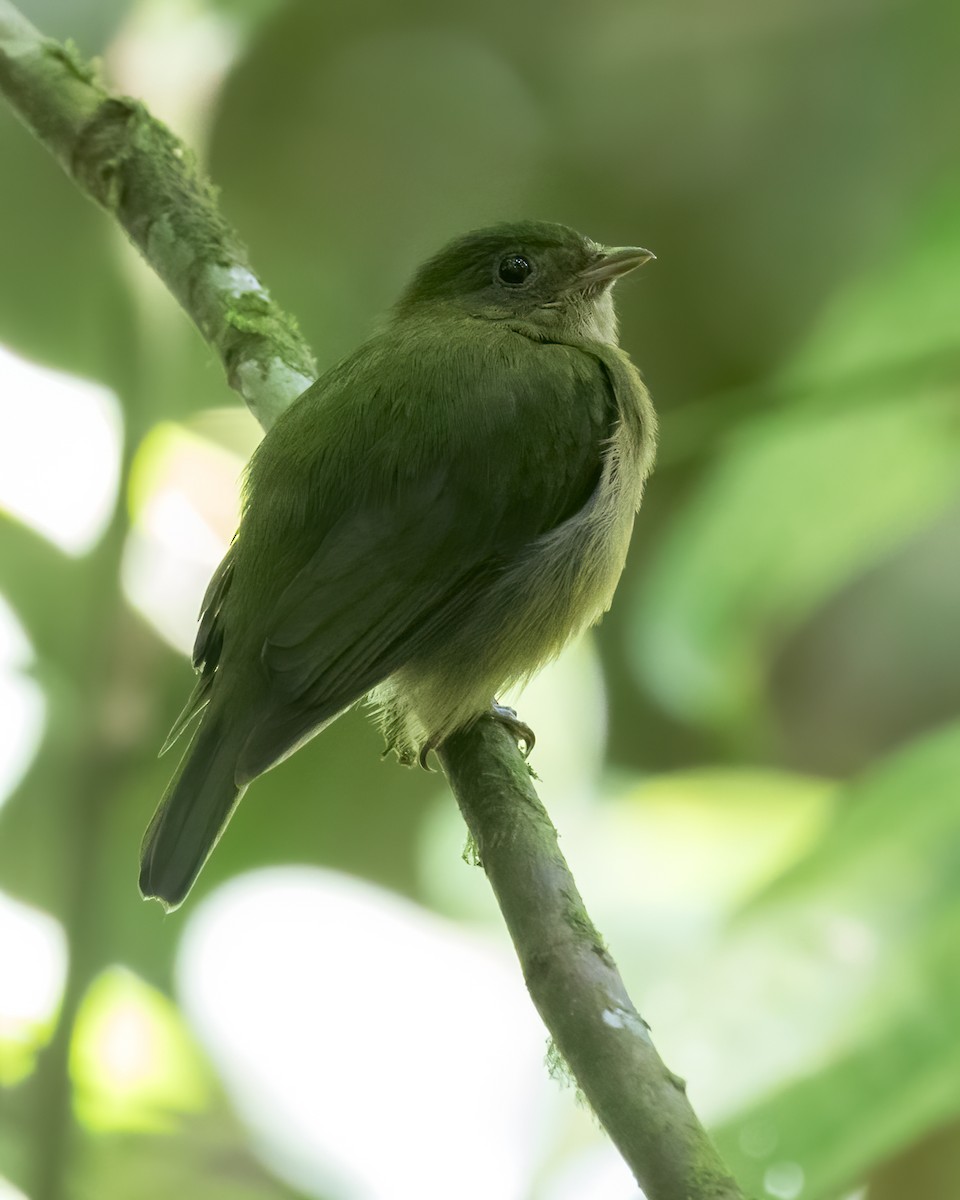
193 813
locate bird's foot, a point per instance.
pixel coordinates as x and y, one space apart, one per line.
520 729
507 717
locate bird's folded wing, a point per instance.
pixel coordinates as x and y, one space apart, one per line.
382 587
381 584
399 566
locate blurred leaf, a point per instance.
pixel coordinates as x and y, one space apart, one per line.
879 663
249 14
58 829
796 506
317 1061
804 498
31 986
156 1123
210 1158
929 1168
68 306
872 1022
51 593
665 860
88 22
133 1064
901 313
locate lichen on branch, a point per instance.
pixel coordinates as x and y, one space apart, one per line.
133 166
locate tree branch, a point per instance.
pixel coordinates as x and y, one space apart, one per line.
136 169
572 978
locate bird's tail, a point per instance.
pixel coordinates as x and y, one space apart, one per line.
193 813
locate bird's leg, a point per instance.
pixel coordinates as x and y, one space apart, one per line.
520 729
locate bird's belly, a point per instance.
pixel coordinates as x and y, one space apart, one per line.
553 590
559 586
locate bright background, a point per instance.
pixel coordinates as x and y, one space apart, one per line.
754 765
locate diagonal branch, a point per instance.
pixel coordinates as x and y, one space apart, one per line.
136 169
572 978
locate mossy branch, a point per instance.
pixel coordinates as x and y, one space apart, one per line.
136 169
572 978
139 172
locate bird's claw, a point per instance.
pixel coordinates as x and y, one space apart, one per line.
507 717
520 729
425 754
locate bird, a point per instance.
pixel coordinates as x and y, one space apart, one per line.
430 522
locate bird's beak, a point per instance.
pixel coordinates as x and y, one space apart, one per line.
614 262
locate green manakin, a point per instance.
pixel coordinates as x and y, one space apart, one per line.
429 522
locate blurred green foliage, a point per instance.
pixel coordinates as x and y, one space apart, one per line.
790 605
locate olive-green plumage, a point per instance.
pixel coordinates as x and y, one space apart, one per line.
431 521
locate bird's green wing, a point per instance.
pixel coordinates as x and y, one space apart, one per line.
403 559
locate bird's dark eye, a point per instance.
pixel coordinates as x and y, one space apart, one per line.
514 270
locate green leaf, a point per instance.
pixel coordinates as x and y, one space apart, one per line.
805 498
133 1065
903 312
859 946
64 301
154 1120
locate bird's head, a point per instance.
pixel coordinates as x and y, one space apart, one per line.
546 280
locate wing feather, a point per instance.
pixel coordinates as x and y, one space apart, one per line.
384 571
